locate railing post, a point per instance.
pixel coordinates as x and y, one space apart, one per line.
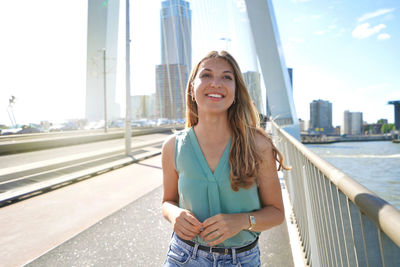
311 228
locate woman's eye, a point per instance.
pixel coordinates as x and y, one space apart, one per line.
205 75
228 77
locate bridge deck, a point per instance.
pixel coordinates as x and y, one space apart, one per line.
113 219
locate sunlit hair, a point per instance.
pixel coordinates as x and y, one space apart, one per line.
244 122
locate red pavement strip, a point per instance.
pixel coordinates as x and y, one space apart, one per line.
33 227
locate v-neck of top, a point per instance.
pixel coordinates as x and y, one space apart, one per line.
202 159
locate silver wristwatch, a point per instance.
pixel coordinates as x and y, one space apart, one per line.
252 221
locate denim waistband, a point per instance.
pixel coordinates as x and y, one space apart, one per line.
226 251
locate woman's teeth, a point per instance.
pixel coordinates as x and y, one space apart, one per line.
215 95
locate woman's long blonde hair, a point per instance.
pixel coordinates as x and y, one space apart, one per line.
244 122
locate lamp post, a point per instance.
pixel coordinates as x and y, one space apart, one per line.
105 90
10 111
128 130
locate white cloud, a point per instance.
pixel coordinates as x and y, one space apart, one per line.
365 30
321 32
374 14
383 36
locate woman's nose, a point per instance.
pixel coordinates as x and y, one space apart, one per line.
216 82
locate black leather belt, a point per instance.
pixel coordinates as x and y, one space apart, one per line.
226 251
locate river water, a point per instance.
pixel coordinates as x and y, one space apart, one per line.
376 165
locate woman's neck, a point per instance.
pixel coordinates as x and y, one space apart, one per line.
214 128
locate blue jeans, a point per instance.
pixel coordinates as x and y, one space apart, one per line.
182 254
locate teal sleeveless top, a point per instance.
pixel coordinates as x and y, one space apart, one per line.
205 193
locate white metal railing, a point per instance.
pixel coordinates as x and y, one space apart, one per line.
340 222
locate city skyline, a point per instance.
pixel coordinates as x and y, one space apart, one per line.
339 51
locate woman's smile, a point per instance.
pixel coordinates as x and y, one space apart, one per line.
215 96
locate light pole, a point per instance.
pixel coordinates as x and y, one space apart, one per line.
128 130
105 90
10 111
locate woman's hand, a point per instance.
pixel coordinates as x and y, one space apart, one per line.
223 226
186 225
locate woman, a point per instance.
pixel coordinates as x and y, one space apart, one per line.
220 183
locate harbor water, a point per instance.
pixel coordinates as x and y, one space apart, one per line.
376 165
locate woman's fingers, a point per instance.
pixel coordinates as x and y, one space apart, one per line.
184 236
217 241
186 225
213 227
186 232
212 235
193 221
221 227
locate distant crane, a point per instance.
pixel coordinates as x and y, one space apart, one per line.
10 111
396 104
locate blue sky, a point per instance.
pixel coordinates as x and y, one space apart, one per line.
346 52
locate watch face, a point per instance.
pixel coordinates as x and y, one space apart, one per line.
253 220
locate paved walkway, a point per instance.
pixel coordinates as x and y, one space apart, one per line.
113 219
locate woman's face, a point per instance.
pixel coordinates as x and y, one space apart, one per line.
214 86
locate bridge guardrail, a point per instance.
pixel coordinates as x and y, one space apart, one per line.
32 142
340 222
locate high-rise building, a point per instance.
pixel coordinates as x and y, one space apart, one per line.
321 116
102 43
176 59
170 91
346 126
176 33
252 81
352 123
304 125
396 113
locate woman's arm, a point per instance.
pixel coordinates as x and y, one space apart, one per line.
272 212
185 224
269 188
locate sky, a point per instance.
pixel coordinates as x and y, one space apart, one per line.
346 52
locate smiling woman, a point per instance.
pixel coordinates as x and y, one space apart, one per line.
220 180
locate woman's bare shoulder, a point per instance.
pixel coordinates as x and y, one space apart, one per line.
263 142
169 143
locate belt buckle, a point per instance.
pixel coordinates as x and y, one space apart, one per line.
226 250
